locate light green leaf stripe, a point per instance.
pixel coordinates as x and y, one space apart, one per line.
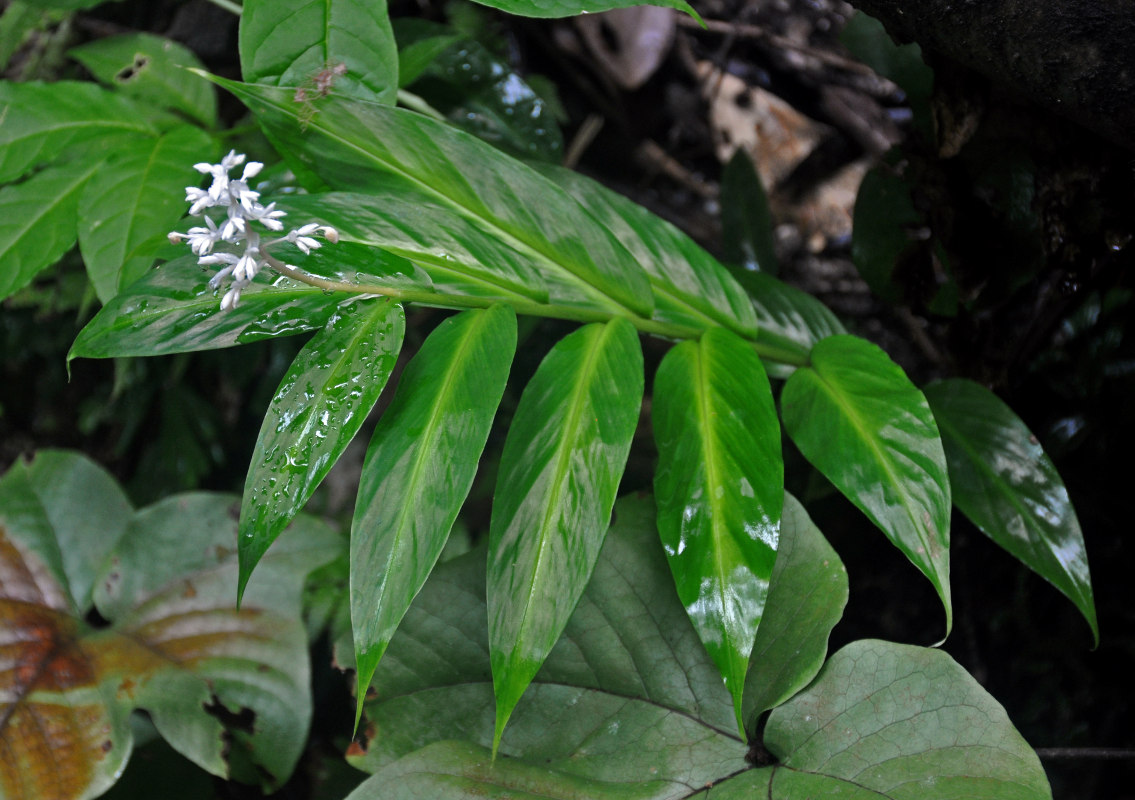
322 401
347 44
1006 484
860 421
353 146
562 461
720 491
418 470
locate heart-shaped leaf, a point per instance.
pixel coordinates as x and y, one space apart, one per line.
419 468
720 490
1008 487
321 403
562 461
857 417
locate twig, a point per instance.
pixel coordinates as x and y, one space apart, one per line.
652 155
228 5
1086 753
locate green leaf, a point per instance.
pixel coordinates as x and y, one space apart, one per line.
419 468
720 491
903 722
354 145
691 287
806 597
790 318
420 41
171 309
37 221
44 120
567 8
131 204
321 402
153 70
1005 483
318 36
746 221
86 508
457 255
562 461
885 227
856 416
627 704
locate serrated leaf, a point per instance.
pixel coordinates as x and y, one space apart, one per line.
130 205
171 309
562 461
321 403
720 491
859 420
567 8
319 36
904 722
627 703
691 287
352 145
419 468
806 598
179 651
152 69
1005 483
41 121
37 221
747 237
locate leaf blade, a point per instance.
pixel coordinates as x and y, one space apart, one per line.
559 472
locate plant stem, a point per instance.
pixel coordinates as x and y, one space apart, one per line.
228 5
771 349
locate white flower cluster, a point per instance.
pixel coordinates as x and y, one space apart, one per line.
246 253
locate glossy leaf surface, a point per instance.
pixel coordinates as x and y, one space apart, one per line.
1009 488
321 402
153 70
229 690
320 35
691 287
627 704
349 145
790 319
566 8
562 461
747 237
171 309
42 120
37 221
806 597
720 491
132 202
860 421
419 468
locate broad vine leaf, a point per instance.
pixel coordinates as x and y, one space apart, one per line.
806 597
887 720
228 689
44 120
351 145
690 286
132 202
318 37
171 309
747 237
37 220
1009 488
627 704
419 468
859 420
153 70
567 8
321 403
562 461
720 491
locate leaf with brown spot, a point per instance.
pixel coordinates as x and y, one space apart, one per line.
227 689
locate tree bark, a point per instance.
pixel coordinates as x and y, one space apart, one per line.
1074 57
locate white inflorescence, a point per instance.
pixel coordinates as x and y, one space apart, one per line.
242 253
